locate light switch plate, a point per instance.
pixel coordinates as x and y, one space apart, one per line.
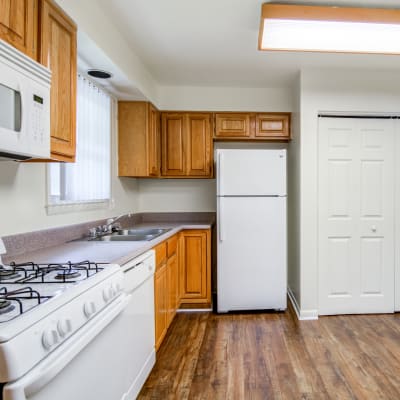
2 247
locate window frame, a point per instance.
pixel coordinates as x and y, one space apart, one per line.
65 206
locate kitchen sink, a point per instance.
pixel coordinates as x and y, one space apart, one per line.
141 231
132 235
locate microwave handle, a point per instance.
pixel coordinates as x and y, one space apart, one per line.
44 372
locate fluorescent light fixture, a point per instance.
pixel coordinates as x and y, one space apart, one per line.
329 29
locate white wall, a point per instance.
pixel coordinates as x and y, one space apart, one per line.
224 98
294 272
23 198
176 195
96 24
341 91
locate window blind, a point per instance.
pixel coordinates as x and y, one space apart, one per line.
89 178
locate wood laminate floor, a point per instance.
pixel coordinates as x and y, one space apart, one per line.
275 356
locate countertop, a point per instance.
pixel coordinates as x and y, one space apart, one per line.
105 252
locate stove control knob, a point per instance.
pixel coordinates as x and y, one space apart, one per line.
49 338
113 291
64 327
107 294
118 287
89 309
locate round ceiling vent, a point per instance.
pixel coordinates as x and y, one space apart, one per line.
99 74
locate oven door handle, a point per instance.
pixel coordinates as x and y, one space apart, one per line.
45 371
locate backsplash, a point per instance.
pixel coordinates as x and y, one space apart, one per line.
19 244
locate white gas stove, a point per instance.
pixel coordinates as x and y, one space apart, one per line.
44 307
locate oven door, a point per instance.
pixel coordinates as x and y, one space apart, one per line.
83 368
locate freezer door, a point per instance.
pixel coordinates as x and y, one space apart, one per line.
251 172
251 270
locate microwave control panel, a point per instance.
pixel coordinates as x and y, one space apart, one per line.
38 118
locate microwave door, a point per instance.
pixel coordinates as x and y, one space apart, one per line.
10 110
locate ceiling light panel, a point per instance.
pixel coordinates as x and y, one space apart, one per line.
329 29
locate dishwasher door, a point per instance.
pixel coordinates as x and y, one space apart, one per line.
137 321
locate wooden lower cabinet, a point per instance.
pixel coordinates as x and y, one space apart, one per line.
173 289
183 275
160 304
166 299
195 266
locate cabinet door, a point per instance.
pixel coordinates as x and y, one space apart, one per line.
172 272
233 125
272 126
58 52
153 149
173 144
199 144
195 270
160 304
18 24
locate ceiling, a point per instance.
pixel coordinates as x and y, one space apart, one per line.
214 42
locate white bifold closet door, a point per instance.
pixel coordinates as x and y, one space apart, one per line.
356 215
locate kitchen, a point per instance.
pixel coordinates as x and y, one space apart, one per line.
303 84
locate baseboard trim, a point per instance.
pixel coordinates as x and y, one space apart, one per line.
188 310
302 315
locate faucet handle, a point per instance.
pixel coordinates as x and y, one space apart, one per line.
93 232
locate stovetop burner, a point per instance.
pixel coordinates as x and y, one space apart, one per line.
67 274
6 306
33 273
25 286
7 274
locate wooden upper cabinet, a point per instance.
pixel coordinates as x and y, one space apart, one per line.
154 141
272 125
18 24
199 147
252 126
186 144
58 52
138 139
233 125
173 138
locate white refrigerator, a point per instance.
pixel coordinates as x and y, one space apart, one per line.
251 228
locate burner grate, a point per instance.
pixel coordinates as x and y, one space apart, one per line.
11 299
33 273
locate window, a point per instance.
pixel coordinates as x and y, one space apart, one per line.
87 182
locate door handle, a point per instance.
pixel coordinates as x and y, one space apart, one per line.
220 218
220 163
373 228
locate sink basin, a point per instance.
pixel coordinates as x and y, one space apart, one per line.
124 238
132 235
141 231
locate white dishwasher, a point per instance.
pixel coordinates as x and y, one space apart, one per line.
137 322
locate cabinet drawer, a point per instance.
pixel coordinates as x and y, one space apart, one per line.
232 125
272 125
171 245
161 254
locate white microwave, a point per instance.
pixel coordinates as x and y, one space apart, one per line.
24 106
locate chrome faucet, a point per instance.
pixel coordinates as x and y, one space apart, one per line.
109 227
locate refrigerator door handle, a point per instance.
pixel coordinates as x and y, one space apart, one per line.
220 163
220 217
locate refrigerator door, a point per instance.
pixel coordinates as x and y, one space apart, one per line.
251 172
252 255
